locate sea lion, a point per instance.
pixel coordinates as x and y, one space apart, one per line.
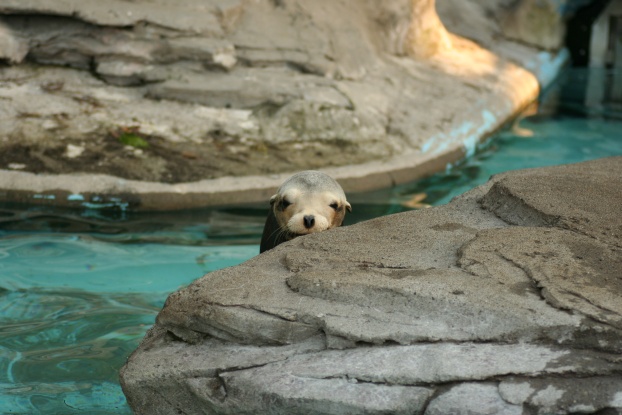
307 202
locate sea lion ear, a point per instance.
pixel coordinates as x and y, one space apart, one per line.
348 206
273 199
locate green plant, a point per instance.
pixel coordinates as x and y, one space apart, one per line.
130 136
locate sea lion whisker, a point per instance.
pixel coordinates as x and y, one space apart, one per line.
280 231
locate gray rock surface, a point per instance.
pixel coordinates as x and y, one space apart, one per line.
506 300
234 89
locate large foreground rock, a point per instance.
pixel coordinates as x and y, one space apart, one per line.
506 300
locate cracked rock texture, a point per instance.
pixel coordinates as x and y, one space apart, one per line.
223 88
506 300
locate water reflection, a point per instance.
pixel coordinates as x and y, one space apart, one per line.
97 398
73 306
61 350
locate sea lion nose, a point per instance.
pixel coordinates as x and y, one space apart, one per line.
309 221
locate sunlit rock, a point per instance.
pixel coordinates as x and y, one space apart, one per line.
387 86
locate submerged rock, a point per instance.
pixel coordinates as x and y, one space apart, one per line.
507 299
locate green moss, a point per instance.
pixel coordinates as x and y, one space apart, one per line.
133 140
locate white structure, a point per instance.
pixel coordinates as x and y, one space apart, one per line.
606 52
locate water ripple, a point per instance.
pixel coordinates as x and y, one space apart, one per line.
84 263
61 352
91 398
73 308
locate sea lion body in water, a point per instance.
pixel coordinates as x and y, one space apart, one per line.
307 202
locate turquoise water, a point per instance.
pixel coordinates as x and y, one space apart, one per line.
73 307
78 289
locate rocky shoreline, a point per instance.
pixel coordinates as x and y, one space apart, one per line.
219 101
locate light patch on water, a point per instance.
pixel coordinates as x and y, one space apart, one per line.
17 355
46 197
75 198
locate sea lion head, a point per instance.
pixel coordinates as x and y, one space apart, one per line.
309 202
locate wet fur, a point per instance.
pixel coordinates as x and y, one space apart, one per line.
272 235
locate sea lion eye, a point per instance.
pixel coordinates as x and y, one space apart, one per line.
334 205
284 204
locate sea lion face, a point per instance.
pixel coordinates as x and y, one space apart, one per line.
309 202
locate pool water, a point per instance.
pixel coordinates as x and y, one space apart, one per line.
78 289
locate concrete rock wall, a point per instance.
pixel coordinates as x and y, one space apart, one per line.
242 88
